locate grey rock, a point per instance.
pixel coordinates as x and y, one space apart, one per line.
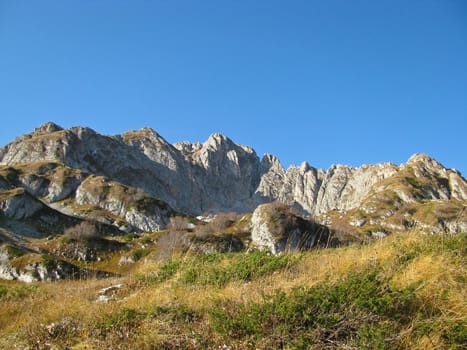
38 271
126 260
20 206
108 294
275 228
272 176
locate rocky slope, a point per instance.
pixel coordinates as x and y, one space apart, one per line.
53 178
216 176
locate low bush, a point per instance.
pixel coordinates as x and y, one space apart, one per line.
130 236
207 269
49 261
17 292
165 272
171 243
82 232
139 253
360 309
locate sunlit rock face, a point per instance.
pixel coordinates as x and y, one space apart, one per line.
211 177
276 228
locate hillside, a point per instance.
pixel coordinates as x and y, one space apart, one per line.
404 292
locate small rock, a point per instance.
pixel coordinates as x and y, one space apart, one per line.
106 294
126 260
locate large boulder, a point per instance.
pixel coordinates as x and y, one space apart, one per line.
275 227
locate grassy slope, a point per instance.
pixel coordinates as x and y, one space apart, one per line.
406 291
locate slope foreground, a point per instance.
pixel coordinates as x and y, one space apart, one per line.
406 291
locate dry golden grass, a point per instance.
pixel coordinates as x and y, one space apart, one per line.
404 259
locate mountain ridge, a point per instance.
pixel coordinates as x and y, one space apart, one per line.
212 177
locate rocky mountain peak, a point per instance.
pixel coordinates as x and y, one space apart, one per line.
270 161
143 134
221 142
54 179
304 167
419 158
47 128
423 164
423 159
218 141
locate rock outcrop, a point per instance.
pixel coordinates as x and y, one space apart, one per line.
275 228
36 267
46 186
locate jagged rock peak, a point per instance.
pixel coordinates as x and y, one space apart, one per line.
220 141
339 169
424 162
271 160
420 158
304 167
143 134
47 128
149 132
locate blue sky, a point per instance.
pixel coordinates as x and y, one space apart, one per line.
333 81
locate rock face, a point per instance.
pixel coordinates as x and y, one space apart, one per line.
19 205
42 268
276 228
78 170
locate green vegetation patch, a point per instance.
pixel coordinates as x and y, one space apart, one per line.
454 245
220 269
50 261
139 253
14 251
124 318
17 292
361 308
165 272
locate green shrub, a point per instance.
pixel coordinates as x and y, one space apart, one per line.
130 236
14 252
3 291
17 291
124 318
165 272
176 313
49 261
207 269
455 334
360 307
140 253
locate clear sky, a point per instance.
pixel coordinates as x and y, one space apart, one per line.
326 81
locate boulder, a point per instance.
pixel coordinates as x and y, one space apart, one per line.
276 228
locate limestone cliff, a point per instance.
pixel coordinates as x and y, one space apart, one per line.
55 164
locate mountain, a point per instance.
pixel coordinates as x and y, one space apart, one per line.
82 167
